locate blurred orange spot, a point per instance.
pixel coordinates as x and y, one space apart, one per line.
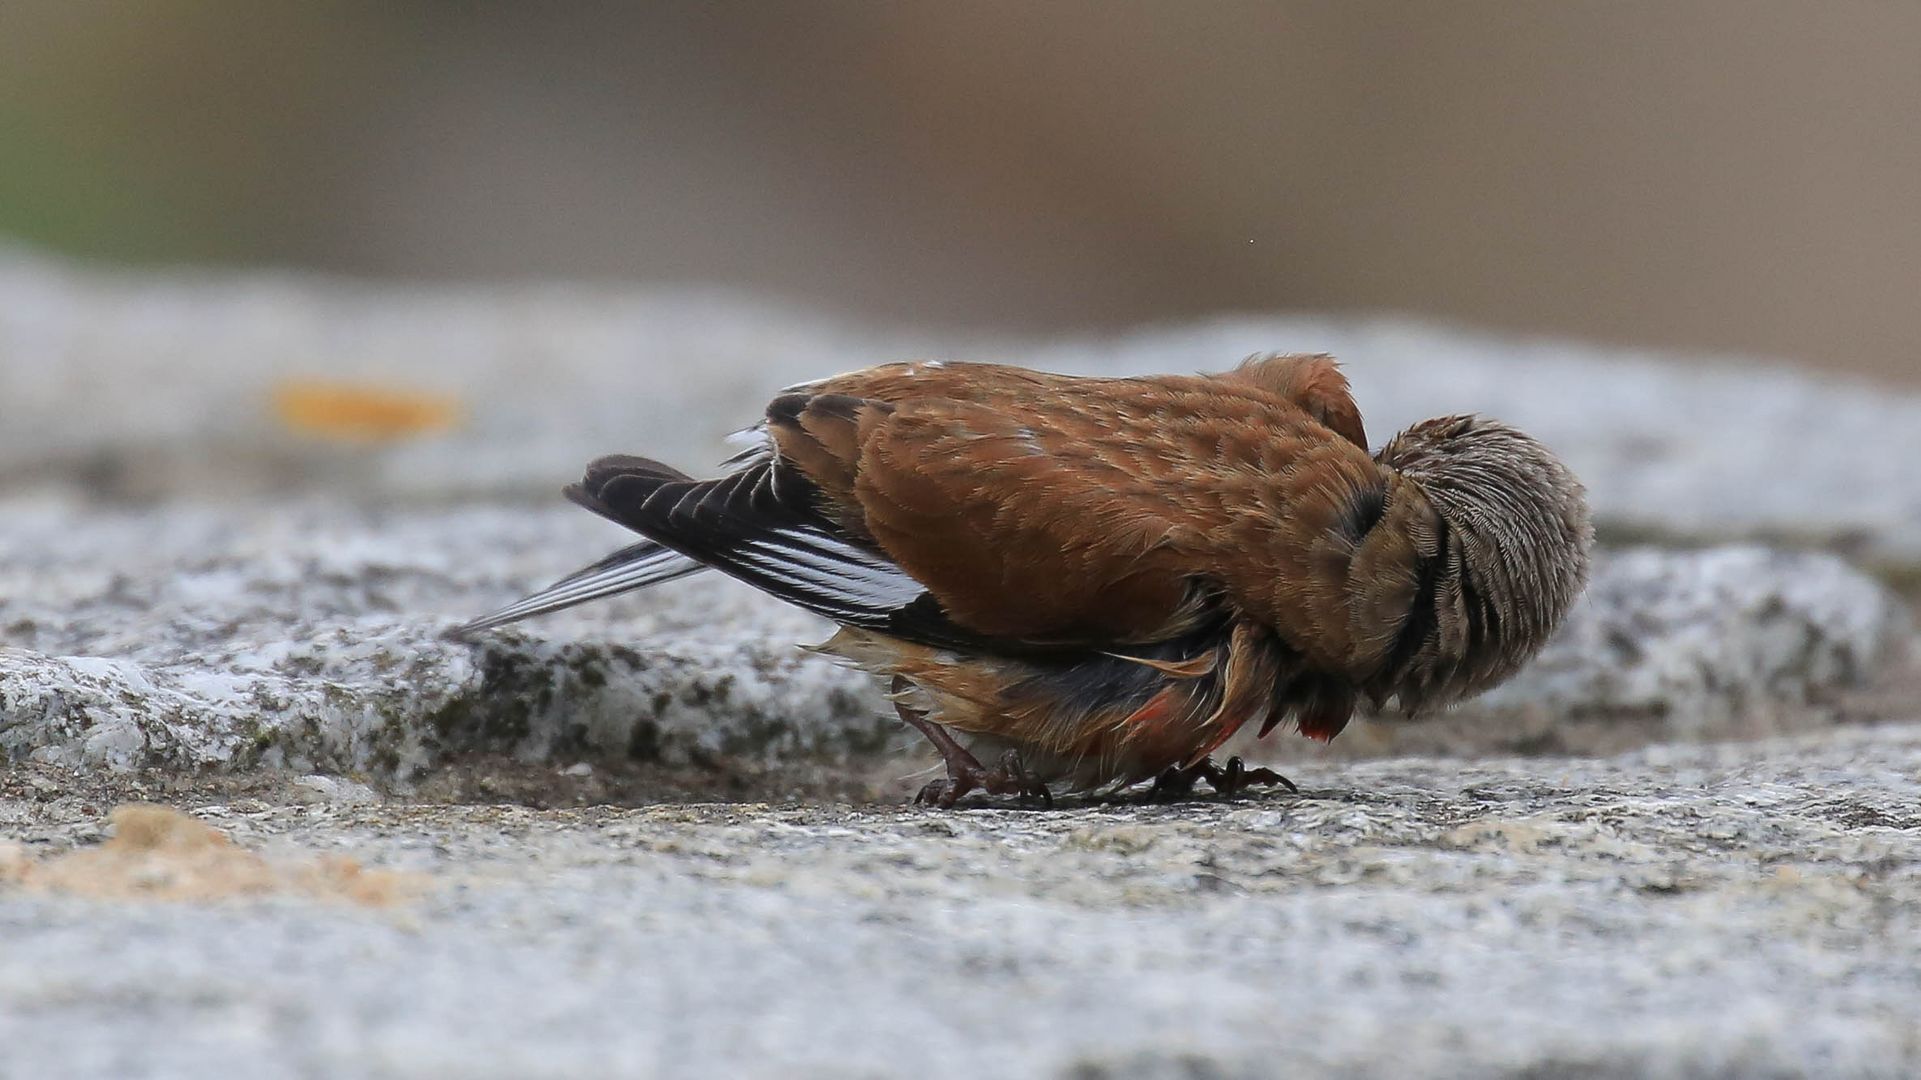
359 412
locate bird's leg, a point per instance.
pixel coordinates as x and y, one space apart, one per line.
964 771
1175 782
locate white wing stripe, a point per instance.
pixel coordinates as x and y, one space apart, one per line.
844 572
883 581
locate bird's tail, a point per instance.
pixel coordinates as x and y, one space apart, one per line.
635 566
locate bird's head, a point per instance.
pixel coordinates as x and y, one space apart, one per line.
1493 543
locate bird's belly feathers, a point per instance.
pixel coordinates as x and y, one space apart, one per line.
1086 719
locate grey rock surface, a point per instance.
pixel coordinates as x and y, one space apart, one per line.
159 384
1724 642
1734 911
312 637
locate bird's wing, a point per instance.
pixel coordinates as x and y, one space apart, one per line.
934 521
764 525
1096 510
1027 520
979 504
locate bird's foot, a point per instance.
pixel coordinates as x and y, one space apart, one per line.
965 772
1009 777
1235 777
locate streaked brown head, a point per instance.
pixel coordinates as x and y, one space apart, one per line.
1495 557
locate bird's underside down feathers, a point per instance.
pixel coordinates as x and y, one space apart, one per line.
1112 575
1112 718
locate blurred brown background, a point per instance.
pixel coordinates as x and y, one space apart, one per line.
1714 175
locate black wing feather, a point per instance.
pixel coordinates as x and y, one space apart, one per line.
636 566
759 525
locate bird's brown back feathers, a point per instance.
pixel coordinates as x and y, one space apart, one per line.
1052 508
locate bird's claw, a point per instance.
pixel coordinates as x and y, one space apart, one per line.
1009 777
1238 777
1235 777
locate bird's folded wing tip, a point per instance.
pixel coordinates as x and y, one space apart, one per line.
466 632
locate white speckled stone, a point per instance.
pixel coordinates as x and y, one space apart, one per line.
1720 642
1744 910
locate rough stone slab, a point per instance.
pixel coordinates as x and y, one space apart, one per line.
160 384
311 636
1746 910
1725 642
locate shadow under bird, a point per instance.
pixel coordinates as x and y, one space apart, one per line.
1094 582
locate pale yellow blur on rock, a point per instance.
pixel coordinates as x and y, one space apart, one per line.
159 853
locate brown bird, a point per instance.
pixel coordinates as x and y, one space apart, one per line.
1098 581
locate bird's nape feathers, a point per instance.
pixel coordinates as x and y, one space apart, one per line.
1503 557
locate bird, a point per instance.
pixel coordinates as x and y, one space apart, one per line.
1095 582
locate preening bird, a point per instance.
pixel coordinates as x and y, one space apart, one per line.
1094 582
